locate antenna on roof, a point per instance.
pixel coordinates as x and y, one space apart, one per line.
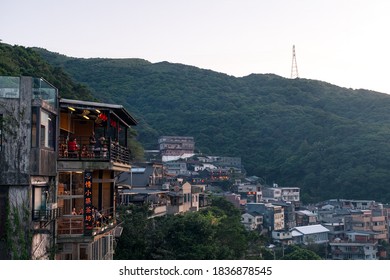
294 66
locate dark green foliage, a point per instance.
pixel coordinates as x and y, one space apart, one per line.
21 61
294 252
215 233
330 141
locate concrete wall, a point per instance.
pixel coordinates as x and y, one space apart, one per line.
14 161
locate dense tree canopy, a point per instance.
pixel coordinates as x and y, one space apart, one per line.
215 233
295 252
21 61
332 142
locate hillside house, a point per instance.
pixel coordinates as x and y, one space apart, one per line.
252 221
356 246
273 215
313 234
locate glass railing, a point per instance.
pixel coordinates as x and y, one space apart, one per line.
44 91
9 87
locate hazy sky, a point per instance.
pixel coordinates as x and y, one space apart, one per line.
342 42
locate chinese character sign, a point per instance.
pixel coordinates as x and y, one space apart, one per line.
88 219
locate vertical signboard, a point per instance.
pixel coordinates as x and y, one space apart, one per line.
88 219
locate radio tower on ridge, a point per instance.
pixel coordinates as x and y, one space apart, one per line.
294 66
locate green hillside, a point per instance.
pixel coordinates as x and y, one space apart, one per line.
330 141
21 61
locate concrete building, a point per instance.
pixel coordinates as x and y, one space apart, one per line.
286 194
251 193
356 246
305 218
252 221
314 234
289 214
370 221
28 168
175 147
143 174
180 199
273 215
176 168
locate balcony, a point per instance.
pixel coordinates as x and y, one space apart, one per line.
378 219
109 155
45 216
158 210
73 225
382 236
379 228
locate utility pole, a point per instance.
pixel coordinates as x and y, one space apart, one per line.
294 66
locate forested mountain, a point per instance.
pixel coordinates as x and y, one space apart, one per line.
330 141
21 61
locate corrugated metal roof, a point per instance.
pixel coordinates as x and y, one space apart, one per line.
295 233
311 229
142 191
307 213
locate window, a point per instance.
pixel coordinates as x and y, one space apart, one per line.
40 196
70 191
43 129
47 130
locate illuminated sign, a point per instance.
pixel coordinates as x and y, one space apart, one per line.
88 219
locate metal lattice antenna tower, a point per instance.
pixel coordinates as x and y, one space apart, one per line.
294 66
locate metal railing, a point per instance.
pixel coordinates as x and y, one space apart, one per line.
46 215
74 224
106 151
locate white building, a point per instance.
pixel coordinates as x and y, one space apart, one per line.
313 234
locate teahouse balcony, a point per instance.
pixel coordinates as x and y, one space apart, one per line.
108 123
71 226
89 156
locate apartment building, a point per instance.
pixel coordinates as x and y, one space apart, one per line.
286 194
356 246
175 147
374 220
252 221
250 192
273 215
28 119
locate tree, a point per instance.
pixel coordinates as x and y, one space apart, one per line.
295 252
